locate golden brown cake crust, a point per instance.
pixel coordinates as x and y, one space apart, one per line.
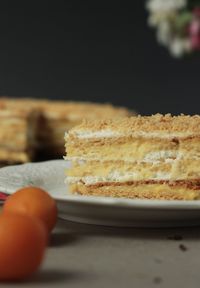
155 123
143 190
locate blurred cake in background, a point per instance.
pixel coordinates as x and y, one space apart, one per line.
57 117
18 129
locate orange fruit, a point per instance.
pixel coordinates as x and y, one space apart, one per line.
35 202
22 245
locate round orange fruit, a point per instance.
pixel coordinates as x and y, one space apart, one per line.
22 245
35 202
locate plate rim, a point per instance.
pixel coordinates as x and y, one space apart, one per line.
132 203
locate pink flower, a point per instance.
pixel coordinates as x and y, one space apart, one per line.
196 11
194 30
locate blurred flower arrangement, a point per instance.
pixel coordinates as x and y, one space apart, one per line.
177 23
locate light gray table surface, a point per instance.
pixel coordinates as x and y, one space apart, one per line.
95 256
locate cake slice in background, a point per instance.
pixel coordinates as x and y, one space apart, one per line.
56 117
152 157
18 129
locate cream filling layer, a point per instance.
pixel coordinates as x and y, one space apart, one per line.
156 157
111 133
152 157
115 177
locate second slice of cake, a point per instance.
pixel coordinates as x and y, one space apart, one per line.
18 130
153 157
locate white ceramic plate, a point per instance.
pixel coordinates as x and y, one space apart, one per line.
50 176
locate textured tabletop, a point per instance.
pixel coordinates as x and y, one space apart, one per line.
95 256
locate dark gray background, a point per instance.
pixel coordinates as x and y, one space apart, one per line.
92 50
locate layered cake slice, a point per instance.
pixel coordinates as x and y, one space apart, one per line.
58 116
153 157
17 134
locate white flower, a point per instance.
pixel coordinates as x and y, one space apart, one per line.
162 16
164 33
157 6
155 18
179 46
